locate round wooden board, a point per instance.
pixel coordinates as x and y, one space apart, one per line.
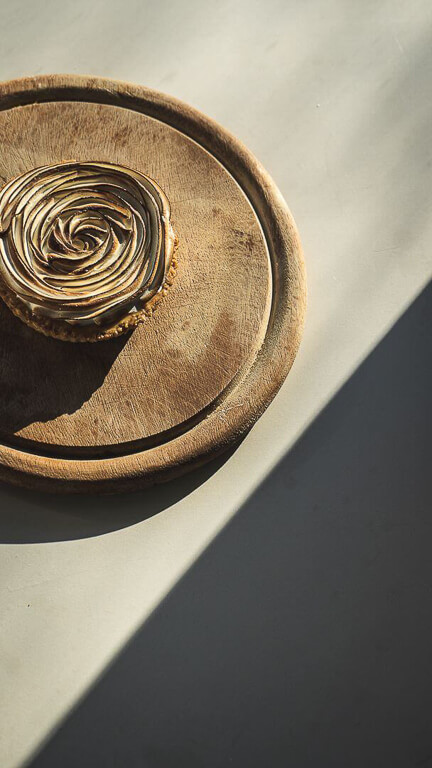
193 378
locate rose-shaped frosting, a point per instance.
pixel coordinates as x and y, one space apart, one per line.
85 242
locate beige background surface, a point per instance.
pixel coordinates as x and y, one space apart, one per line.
334 99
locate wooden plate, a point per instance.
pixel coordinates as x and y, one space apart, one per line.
192 379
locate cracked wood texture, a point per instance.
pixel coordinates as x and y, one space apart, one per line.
193 378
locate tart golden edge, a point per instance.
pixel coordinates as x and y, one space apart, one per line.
64 331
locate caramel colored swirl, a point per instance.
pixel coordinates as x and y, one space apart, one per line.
84 242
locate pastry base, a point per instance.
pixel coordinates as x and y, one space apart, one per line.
59 329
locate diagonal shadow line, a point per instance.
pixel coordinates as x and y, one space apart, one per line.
302 635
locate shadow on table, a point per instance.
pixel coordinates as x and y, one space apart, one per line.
302 635
30 516
58 378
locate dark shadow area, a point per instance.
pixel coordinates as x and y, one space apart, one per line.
28 516
41 377
302 636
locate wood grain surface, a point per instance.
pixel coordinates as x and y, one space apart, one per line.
188 382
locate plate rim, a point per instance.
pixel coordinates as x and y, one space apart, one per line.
246 399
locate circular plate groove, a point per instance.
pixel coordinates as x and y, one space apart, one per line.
252 367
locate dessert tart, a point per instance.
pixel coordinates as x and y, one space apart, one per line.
86 249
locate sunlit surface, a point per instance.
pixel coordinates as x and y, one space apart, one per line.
334 99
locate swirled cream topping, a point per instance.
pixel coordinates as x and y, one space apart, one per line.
85 242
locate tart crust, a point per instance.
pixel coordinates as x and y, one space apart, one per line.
60 329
